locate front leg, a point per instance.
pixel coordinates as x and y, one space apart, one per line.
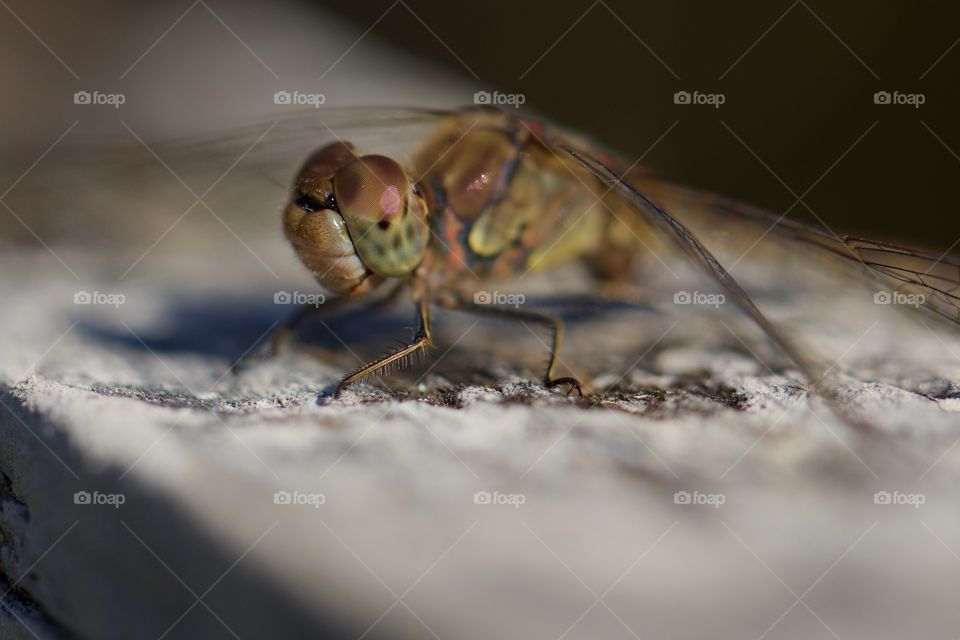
401 356
458 303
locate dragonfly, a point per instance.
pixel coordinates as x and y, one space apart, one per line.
487 194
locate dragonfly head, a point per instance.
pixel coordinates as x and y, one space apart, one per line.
354 216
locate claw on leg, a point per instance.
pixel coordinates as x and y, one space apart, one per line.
573 382
545 319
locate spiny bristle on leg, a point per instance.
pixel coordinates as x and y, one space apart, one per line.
404 362
407 361
393 360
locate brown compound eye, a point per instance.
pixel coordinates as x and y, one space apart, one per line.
386 220
318 171
317 230
372 188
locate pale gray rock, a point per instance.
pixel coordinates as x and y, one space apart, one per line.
137 405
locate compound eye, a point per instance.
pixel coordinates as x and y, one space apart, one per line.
317 172
372 188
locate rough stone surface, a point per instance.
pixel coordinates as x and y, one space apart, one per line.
140 401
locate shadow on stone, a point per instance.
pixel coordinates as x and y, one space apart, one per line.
227 327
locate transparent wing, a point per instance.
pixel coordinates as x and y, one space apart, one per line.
307 129
790 256
135 188
675 233
933 279
267 145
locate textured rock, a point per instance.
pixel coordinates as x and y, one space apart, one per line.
137 401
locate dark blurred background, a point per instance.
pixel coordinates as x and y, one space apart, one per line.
797 78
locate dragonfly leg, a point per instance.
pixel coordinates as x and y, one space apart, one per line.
286 331
542 318
399 357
